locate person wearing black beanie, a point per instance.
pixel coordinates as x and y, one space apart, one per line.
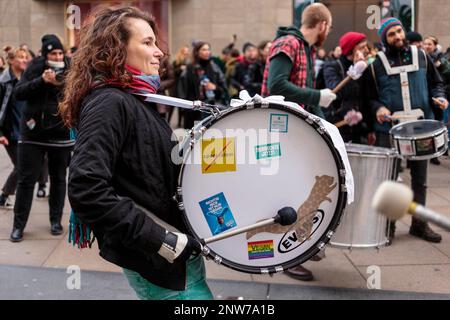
415 39
42 132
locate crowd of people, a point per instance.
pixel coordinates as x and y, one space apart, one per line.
44 96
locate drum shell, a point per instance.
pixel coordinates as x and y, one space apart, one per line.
361 226
413 139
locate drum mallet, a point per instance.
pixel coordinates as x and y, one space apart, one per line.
352 119
284 217
394 200
354 73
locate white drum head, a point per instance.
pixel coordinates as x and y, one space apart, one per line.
271 158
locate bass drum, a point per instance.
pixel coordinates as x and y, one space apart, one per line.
242 166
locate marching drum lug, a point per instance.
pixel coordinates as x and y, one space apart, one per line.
343 173
218 260
250 105
206 251
178 196
344 188
321 130
330 234
310 120
321 246
264 104
279 269
181 206
264 271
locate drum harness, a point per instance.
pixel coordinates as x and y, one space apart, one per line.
403 72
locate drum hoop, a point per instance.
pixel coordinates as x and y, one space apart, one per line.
434 134
337 215
387 152
440 128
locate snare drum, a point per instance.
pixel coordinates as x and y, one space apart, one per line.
420 140
244 164
361 226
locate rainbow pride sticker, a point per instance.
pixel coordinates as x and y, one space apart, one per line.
260 249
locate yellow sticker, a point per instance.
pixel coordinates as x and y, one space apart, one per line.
218 155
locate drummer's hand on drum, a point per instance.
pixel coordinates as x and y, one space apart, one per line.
178 247
383 115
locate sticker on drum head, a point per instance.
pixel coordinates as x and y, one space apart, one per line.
218 155
260 250
217 213
406 148
279 123
267 151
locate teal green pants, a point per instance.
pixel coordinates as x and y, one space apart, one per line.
196 289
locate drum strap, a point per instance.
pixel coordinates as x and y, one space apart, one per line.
403 72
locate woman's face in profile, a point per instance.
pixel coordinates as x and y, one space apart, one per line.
142 52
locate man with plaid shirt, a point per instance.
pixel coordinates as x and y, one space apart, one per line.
290 73
290 66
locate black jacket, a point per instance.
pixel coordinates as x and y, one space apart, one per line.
41 105
348 98
254 77
122 158
191 82
10 108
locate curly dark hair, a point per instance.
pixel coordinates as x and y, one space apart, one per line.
102 52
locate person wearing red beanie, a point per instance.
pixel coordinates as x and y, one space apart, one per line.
350 40
348 105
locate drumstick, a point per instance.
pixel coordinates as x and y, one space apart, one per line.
354 73
341 85
341 124
284 217
406 116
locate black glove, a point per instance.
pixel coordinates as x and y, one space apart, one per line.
179 247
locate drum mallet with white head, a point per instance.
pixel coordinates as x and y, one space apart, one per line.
354 73
285 217
394 200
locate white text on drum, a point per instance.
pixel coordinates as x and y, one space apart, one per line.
246 141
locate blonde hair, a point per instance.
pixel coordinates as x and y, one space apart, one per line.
13 53
180 58
315 14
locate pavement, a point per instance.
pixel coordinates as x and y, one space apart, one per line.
411 268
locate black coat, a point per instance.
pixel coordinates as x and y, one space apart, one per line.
10 108
41 105
122 158
191 82
349 98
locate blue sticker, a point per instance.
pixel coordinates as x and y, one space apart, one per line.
217 213
279 123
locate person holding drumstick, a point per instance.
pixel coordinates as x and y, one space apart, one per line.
349 105
290 68
122 177
388 95
290 72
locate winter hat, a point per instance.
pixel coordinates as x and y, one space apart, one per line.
349 41
414 37
247 45
387 24
50 42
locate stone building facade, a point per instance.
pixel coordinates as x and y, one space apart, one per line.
183 21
